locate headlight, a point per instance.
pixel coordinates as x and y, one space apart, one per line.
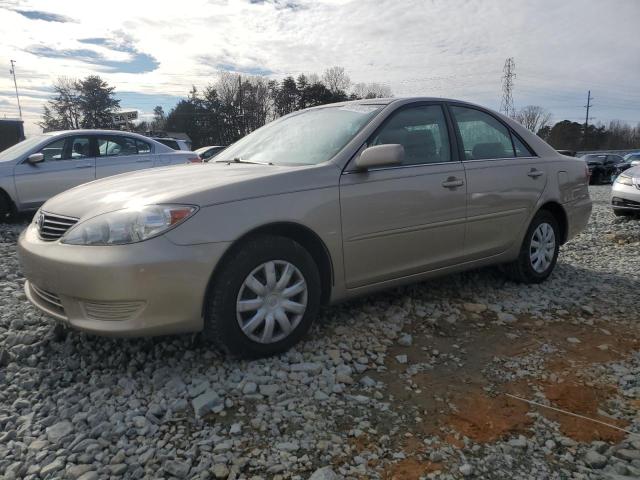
624 180
130 225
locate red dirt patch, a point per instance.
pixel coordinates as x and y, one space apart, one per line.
486 419
582 400
409 469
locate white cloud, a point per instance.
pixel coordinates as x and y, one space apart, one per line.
452 48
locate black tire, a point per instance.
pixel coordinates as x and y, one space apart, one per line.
622 213
220 323
5 206
521 270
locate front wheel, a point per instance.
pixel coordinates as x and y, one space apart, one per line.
264 298
539 251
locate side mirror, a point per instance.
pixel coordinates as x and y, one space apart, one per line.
380 156
35 158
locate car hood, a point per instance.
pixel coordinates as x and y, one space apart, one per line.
199 184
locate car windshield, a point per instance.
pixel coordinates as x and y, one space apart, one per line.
632 156
21 148
306 138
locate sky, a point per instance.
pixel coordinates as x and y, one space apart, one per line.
154 51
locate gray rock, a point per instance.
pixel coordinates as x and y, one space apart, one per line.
309 367
269 390
249 388
58 431
405 340
594 459
220 470
466 469
324 473
628 454
177 468
204 403
56 465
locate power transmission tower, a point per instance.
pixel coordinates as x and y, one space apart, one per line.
509 73
13 72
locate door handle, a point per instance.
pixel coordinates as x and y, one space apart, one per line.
84 166
533 173
452 182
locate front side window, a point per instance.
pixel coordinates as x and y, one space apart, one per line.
483 137
114 146
54 150
422 131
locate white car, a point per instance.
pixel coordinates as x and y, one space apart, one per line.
42 166
625 193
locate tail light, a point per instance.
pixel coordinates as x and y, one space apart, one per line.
195 160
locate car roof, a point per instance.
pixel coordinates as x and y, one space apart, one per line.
94 131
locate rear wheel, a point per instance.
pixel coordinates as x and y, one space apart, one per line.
264 298
5 206
539 251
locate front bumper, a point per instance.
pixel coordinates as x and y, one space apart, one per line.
150 288
625 197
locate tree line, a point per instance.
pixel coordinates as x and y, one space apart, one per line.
219 114
234 105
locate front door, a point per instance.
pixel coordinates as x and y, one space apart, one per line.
402 220
67 162
120 154
504 181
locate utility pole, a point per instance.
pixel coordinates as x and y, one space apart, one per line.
588 106
13 72
509 73
586 119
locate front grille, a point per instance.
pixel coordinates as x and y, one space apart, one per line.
112 311
52 227
47 299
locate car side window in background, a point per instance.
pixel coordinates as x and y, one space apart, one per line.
422 131
116 146
143 147
521 149
80 147
483 136
54 150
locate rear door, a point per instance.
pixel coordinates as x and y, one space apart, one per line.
505 179
402 220
120 154
68 162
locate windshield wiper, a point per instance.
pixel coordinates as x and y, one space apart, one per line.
240 160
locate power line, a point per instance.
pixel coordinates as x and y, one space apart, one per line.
506 105
13 72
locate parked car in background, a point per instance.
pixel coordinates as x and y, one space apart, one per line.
625 193
207 153
174 143
633 158
316 207
604 168
42 166
568 153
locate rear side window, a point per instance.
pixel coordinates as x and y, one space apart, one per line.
115 146
143 147
483 137
422 131
170 143
521 149
80 147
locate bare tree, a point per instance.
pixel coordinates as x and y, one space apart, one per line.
533 118
336 79
371 90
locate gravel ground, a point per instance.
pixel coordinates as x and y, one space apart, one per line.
427 381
